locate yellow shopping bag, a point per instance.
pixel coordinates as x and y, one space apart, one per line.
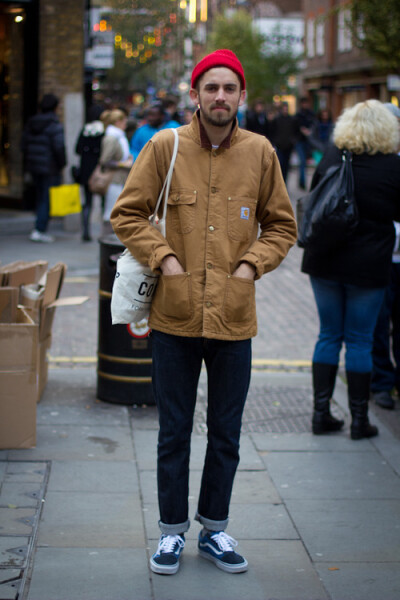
65 200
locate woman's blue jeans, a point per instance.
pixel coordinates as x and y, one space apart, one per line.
177 363
43 183
347 314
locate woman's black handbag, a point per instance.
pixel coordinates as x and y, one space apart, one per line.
328 214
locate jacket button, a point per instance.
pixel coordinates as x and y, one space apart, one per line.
211 228
209 266
214 153
213 190
208 304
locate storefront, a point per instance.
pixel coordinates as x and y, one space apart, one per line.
18 91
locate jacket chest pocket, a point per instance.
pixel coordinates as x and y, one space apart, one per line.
241 215
181 211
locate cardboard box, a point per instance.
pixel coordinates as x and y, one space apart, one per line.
18 381
37 289
8 304
22 273
42 368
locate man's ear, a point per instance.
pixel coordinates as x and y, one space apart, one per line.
194 96
242 97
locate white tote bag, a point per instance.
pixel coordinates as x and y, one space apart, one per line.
134 284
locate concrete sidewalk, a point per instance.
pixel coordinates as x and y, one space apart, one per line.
318 518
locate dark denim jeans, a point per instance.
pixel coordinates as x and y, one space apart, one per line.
386 373
177 363
348 314
42 185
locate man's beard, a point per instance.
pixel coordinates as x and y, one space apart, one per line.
219 120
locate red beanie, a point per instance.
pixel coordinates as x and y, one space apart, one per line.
219 58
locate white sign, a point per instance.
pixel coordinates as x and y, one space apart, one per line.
101 56
393 83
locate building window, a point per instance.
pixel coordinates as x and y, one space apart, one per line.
310 38
344 41
320 38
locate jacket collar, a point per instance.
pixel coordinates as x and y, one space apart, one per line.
199 133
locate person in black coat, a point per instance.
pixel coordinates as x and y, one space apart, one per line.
43 147
286 132
88 147
349 282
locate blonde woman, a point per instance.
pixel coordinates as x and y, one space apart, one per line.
115 154
349 282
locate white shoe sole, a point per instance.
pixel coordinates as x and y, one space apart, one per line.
163 569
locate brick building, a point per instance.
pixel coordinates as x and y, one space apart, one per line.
337 73
41 51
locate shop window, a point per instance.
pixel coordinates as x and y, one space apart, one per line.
11 101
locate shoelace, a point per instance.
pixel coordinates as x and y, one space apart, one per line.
167 543
225 542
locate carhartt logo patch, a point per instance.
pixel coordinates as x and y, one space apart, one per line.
244 213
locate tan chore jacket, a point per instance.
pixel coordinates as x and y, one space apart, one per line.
225 206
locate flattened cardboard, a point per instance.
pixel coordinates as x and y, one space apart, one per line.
22 272
42 366
54 281
8 304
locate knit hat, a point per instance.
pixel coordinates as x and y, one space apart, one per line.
219 58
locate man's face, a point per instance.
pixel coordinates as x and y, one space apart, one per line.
218 93
154 117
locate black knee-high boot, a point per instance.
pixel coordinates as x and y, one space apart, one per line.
358 387
324 377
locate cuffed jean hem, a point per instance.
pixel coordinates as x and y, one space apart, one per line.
174 528
210 524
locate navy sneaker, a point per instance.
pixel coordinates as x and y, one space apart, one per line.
219 547
166 560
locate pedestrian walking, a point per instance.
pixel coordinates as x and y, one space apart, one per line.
349 281
114 155
306 124
285 135
229 221
88 147
156 120
43 148
386 348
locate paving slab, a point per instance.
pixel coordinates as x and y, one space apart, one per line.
10 580
146 451
348 530
361 581
390 449
321 475
278 570
92 413
90 574
13 551
246 522
71 386
305 442
17 521
83 519
27 472
89 476
72 442
22 495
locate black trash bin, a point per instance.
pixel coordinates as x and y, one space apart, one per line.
124 351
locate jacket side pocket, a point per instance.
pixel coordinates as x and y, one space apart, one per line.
239 301
174 295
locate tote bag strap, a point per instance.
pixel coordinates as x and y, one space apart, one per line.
167 182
